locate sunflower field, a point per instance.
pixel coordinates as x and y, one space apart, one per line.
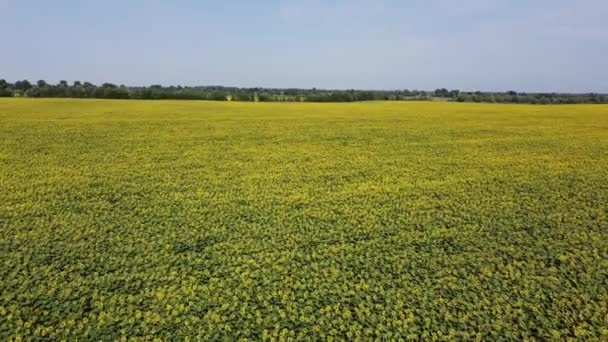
364 221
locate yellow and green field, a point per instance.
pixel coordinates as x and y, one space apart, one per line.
298 221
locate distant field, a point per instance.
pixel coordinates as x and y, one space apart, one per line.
304 221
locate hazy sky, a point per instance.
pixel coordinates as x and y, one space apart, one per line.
524 45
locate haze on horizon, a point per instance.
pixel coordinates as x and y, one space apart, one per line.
491 45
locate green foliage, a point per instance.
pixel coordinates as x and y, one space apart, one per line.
283 221
218 93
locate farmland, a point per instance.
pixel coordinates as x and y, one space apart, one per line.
302 220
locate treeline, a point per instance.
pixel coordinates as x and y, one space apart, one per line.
78 89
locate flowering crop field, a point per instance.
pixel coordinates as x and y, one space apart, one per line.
220 220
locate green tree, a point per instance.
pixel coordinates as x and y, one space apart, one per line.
23 85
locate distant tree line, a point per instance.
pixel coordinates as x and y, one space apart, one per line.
78 89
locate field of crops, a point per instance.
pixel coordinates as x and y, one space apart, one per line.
302 221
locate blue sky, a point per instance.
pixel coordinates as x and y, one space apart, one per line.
524 45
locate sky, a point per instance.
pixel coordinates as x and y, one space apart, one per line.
491 45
